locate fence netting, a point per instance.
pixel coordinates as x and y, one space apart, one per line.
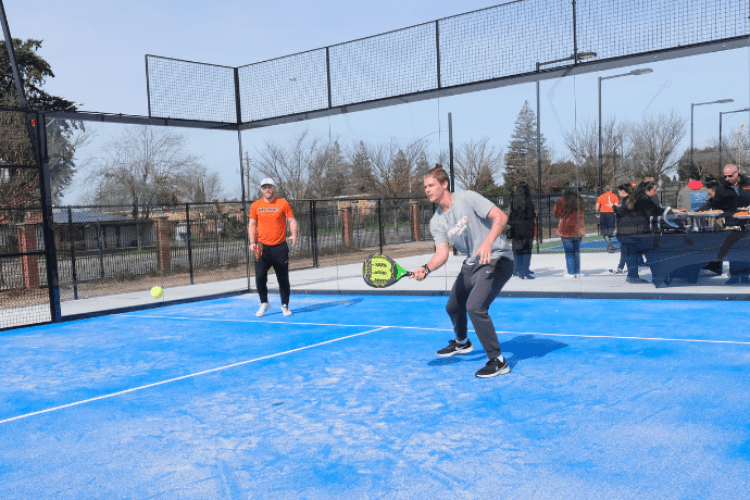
24 292
496 42
110 257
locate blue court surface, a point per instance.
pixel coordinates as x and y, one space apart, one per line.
607 399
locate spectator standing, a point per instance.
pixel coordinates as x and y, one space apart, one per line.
522 222
624 191
655 197
734 181
570 209
638 208
607 219
695 194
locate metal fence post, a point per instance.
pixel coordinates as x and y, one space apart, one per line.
313 235
216 231
71 231
100 247
189 242
381 230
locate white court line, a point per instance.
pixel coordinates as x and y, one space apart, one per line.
183 377
663 339
705 341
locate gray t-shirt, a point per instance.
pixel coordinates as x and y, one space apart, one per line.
465 226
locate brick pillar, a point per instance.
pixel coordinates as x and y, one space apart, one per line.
347 224
416 222
29 263
163 255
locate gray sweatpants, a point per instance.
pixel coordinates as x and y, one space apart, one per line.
474 290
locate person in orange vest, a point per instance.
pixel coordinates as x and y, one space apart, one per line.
267 236
607 217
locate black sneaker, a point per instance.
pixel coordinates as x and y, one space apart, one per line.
493 368
635 280
455 348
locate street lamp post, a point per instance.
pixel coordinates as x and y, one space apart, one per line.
721 113
635 72
692 107
575 58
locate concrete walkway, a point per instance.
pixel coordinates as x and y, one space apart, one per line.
549 269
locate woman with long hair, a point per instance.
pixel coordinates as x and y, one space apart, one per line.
521 220
639 208
624 190
570 209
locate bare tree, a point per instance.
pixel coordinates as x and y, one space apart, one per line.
295 167
734 149
583 143
397 169
654 142
478 164
146 166
198 184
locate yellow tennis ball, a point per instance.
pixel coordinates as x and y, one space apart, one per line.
157 292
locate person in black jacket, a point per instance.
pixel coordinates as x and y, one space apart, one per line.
738 183
522 220
636 211
719 197
624 190
728 196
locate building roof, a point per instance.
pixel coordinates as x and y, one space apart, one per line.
88 218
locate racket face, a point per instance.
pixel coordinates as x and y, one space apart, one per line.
379 271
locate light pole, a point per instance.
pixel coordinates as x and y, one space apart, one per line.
575 58
635 72
692 107
720 120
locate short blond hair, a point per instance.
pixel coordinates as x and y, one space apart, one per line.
439 174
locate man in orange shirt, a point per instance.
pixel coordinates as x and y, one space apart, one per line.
267 236
607 219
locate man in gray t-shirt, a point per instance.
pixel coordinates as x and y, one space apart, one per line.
473 225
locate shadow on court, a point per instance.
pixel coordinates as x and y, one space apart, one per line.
326 305
516 349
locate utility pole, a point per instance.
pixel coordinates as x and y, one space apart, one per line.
248 161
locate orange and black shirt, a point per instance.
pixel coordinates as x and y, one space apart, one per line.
270 220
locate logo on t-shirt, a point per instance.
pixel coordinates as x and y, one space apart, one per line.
459 227
268 210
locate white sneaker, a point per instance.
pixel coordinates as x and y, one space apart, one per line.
286 311
264 307
571 276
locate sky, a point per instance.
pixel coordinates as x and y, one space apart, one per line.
97 49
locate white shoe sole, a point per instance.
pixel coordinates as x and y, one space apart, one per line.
502 371
462 351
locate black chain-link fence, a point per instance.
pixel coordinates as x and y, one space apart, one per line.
119 252
24 294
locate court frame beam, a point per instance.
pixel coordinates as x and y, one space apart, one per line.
580 68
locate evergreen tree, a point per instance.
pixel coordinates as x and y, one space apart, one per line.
20 187
521 158
362 179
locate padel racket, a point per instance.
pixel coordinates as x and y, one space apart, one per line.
258 250
379 271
